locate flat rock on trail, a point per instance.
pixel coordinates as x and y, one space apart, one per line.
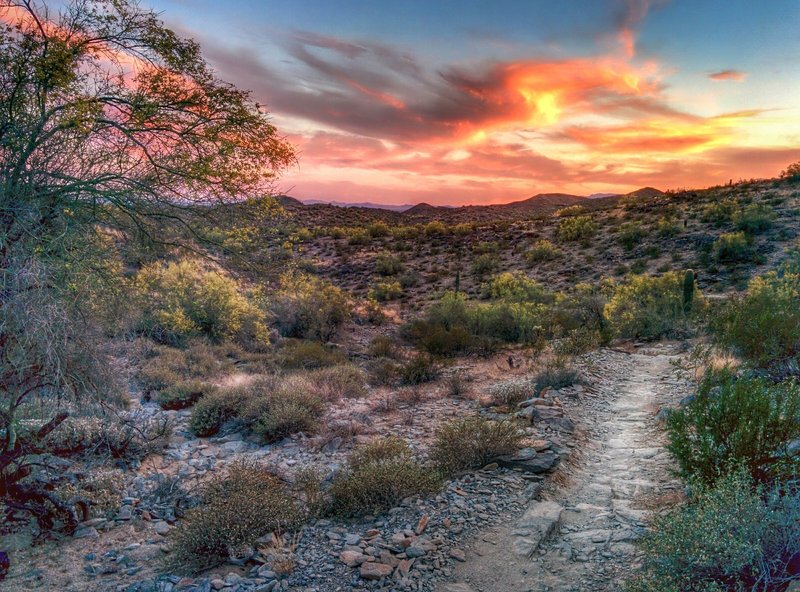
581 538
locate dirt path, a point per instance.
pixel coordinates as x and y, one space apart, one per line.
580 536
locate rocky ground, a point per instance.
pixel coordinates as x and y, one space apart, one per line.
506 527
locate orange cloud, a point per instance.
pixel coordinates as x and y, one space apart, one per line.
734 75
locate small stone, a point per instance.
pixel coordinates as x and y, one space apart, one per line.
375 571
161 527
352 558
422 524
86 533
458 555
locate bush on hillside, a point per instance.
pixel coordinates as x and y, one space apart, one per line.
508 393
732 247
720 212
631 234
763 326
310 308
485 264
755 218
182 300
729 537
183 394
388 264
578 228
215 408
542 250
649 307
345 381
517 287
732 422
379 475
386 291
236 510
473 442
792 172
309 355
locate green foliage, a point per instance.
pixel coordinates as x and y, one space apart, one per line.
667 227
764 324
582 309
182 300
517 287
309 355
383 346
276 410
237 509
472 442
570 211
337 382
631 234
649 307
420 369
733 247
308 307
435 228
555 375
754 219
720 212
385 291
485 263
388 264
215 408
745 422
379 475
182 394
689 288
542 250
578 228
729 537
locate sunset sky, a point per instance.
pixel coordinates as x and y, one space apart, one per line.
454 102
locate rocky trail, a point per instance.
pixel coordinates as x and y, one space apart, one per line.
579 536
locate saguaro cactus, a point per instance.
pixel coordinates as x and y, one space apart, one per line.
689 279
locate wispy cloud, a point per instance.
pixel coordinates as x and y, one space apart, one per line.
723 75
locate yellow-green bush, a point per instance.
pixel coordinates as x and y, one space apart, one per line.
648 307
236 510
385 291
542 250
215 408
181 300
577 228
732 247
379 475
308 307
182 394
309 355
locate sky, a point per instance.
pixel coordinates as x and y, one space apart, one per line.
478 102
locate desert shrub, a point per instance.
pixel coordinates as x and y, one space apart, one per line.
215 408
732 247
182 394
649 307
388 264
486 247
435 228
719 213
336 382
731 422
577 342
631 234
181 300
729 537
754 218
542 250
383 372
308 307
308 355
418 370
764 324
457 384
508 393
377 476
383 346
358 236
556 375
378 229
282 406
485 264
101 488
472 442
236 510
440 341
578 228
385 291
167 366
583 309
570 211
517 287
791 173
667 227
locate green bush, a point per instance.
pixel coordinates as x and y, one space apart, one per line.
383 346
281 406
582 309
379 475
183 394
215 408
791 173
764 325
631 234
181 300
485 264
385 291
508 393
236 510
517 287
308 307
729 537
732 422
556 375
166 366
388 264
649 307
578 228
473 442
732 247
719 213
337 382
754 219
308 355
542 250
667 227
418 370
